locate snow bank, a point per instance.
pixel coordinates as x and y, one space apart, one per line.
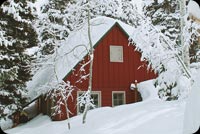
194 9
149 117
192 111
5 124
148 90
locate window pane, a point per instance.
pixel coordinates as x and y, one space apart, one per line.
118 99
94 99
120 102
115 96
81 108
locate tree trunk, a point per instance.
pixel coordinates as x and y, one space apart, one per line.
91 54
185 49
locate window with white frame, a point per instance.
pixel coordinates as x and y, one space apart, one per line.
118 98
95 98
116 53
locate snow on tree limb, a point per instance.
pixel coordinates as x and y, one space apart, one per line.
160 52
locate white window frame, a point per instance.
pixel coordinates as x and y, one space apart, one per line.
93 92
113 57
114 92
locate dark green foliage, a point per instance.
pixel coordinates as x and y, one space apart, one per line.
167 94
166 15
50 31
15 62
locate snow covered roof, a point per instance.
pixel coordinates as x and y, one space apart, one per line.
71 52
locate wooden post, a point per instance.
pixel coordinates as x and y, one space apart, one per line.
16 119
136 91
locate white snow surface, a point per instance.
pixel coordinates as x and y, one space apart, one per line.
39 4
144 88
192 110
194 9
151 116
63 61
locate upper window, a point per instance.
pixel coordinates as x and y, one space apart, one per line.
116 53
118 98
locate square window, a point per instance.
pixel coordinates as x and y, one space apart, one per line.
95 98
116 53
118 98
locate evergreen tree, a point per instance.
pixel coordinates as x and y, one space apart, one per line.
17 37
51 27
129 14
165 16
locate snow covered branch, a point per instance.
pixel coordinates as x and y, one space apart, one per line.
163 56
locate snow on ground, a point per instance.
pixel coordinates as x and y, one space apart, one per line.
192 112
151 116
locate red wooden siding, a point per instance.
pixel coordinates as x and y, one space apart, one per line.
111 76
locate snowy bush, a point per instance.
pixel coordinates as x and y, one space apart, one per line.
5 123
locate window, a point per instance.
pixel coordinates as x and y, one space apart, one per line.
116 53
96 97
118 98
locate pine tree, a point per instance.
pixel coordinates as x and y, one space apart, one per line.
18 36
51 27
166 17
129 14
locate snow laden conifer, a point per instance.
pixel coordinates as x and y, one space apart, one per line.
163 50
17 38
50 27
128 12
166 16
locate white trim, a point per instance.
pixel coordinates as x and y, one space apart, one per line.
93 92
113 92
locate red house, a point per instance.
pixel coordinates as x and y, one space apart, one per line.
116 66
